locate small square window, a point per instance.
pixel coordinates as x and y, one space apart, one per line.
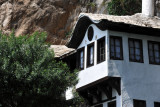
90 55
135 50
154 52
80 58
116 52
139 103
101 50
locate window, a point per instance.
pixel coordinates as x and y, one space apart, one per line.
101 50
139 103
80 58
116 48
90 55
135 50
154 52
112 104
90 33
156 104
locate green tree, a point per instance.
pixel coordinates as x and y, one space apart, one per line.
124 7
29 74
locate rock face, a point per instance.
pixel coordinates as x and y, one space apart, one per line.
56 17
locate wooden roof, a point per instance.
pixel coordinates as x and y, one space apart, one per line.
61 50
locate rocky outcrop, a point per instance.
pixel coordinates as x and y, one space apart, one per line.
56 17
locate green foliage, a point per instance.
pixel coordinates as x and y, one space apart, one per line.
29 75
124 7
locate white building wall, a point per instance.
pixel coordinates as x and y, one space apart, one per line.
98 71
139 80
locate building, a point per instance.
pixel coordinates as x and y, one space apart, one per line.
118 58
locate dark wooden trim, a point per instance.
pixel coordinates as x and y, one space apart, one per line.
88 58
78 58
93 83
153 42
136 100
141 50
112 102
113 98
121 47
98 41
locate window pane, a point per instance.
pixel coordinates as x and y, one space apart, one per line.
138 57
118 49
156 47
91 55
112 41
131 43
137 44
131 50
157 60
112 48
117 42
150 53
156 54
118 55
81 59
112 54
137 52
152 59
132 57
150 46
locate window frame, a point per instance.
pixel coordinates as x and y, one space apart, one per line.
112 102
79 58
141 50
134 101
156 103
88 54
103 39
153 42
121 47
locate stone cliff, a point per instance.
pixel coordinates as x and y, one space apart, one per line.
56 17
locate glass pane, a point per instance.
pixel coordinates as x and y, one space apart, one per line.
156 47
131 43
118 55
112 41
91 55
137 44
112 54
156 53
131 50
117 42
132 57
157 60
150 53
81 57
150 46
118 49
151 59
112 48
138 57
137 51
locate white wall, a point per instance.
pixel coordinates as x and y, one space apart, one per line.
139 80
98 71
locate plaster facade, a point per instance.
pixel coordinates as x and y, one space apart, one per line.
138 80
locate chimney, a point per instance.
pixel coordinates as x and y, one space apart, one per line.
148 7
